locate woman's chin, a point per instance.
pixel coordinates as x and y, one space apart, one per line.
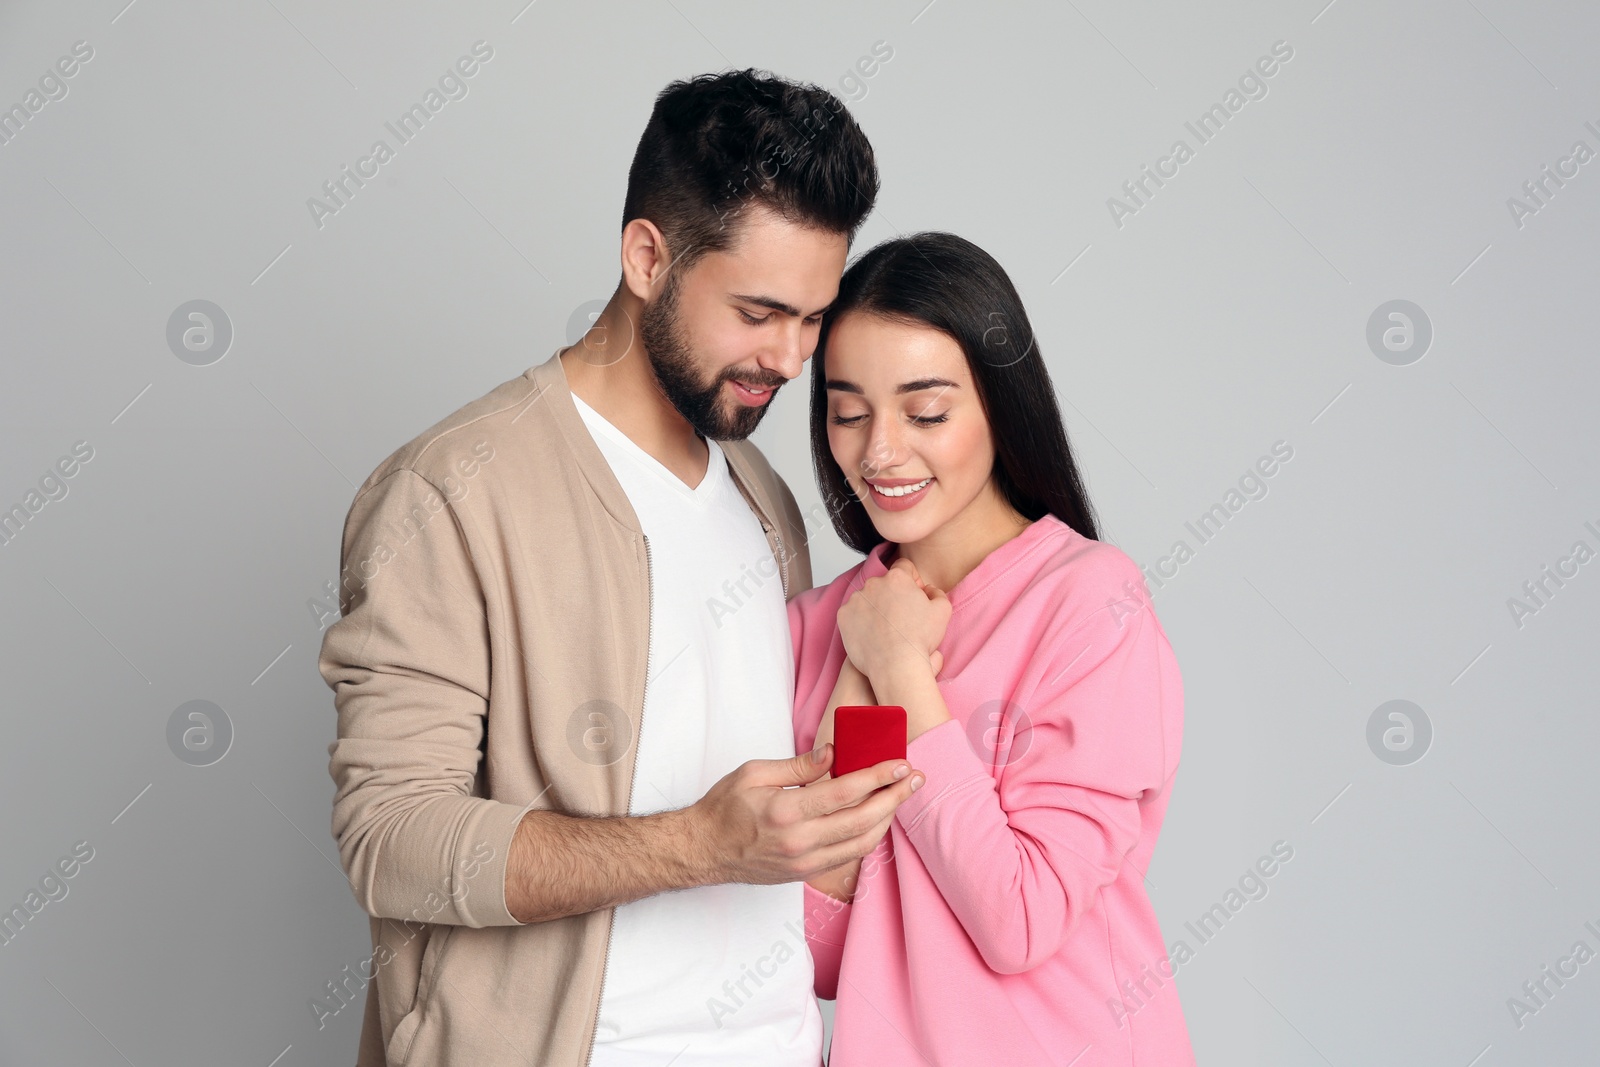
902 527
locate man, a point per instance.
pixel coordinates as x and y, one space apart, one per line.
563 673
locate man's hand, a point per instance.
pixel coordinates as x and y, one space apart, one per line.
755 829
750 827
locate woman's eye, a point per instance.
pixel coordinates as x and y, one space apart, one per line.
929 420
851 421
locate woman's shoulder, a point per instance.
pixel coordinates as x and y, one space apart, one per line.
1087 558
1081 576
1088 604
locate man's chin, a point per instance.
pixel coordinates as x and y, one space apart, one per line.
734 422
736 429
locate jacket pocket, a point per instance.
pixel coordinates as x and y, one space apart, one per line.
405 1034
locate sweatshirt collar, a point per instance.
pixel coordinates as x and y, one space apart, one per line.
990 568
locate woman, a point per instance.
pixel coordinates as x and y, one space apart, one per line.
1003 917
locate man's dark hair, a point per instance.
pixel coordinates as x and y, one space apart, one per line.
718 143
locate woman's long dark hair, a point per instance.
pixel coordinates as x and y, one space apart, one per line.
949 283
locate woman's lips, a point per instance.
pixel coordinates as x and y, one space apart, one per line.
902 502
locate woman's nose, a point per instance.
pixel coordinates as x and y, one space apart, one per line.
883 447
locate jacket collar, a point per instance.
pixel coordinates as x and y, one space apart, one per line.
550 380
551 389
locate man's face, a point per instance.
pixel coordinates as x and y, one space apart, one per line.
749 315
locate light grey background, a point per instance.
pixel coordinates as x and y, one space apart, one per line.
1229 313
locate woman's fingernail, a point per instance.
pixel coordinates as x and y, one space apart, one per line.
916 783
901 771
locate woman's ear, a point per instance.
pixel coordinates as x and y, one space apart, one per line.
645 260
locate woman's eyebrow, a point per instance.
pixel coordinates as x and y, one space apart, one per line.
904 387
925 383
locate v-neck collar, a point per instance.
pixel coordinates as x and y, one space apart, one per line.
714 458
748 472
990 568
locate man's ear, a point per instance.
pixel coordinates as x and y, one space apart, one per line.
645 260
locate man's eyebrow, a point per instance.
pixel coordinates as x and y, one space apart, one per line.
774 304
904 387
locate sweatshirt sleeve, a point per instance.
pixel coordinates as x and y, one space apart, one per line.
827 920
1020 853
408 663
796 621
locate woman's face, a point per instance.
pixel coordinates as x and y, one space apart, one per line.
903 409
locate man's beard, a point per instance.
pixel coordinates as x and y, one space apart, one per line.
676 372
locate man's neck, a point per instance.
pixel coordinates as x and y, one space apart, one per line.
625 394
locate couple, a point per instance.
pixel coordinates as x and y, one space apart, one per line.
580 650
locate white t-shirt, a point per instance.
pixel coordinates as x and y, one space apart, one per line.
718 975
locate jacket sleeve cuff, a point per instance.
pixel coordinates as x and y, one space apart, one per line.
485 900
947 763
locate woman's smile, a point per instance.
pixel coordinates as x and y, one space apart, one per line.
897 494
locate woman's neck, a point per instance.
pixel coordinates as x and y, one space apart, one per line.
955 549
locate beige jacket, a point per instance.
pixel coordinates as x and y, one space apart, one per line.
491 660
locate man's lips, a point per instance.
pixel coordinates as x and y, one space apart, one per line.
752 394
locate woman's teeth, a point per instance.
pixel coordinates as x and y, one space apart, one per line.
900 490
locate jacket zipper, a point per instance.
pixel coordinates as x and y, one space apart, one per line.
650 608
783 561
650 596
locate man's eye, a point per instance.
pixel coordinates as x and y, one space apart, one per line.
751 319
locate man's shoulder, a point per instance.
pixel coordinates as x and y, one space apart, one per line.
773 494
751 453
749 458
463 444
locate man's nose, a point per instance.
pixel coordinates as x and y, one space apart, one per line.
787 356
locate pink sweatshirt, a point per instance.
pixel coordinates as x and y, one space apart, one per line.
1003 918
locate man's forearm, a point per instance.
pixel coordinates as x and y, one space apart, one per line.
562 865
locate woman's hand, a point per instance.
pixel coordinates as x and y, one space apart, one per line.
891 629
852 688
894 621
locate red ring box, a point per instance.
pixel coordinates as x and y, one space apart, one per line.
867 734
